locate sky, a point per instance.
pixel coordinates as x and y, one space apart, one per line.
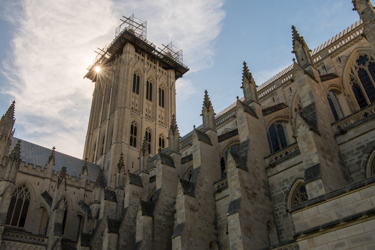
46 47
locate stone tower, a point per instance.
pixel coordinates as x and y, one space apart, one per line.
134 98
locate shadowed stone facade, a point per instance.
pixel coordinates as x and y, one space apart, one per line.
291 165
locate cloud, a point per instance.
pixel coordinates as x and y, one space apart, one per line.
53 44
184 89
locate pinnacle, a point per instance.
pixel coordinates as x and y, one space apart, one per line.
52 156
9 115
296 35
121 163
84 167
246 72
206 102
100 181
63 172
144 147
173 124
16 152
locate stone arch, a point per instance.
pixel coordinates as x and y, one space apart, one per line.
293 193
336 88
234 147
186 176
20 204
30 186
279 118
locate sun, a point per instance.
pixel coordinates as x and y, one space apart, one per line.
97 69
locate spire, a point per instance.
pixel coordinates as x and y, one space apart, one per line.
52 156
100 181
121 163
9 115
300 49
208 113
84 167
248 85
16 152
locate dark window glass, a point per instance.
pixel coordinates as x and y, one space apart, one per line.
359 96
333 109
282 137
367 84
11 209
362 60
137 85
18 207
274 140
134 83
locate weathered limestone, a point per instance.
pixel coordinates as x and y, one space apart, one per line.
367 14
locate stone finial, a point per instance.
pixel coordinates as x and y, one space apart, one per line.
9 115
206 101
52 156
62 176
121 163
100 181
16 152
84 167
173 126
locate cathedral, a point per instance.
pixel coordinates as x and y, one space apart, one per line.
290 165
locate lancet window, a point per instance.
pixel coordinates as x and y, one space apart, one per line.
133 134
362 78
19 206
223 160
148 138
161 97
276 137
135 88
149 90
335 105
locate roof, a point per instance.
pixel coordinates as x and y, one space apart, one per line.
38 155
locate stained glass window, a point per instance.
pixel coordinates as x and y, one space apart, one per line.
18 207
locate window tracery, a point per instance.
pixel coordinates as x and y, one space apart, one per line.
19 206
149 90
299 195
148 138
361 78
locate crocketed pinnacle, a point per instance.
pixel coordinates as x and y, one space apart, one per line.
174 127
297 36
16 152
62 176
206 101
246 72
52 156
100 181
84 167
9 115
121 163
144 147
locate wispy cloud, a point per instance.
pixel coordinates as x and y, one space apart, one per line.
53 44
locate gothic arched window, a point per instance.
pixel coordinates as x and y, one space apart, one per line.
335 106
136 83
223 160
19 206
149 90
161 97
133 134
362 79
148 138
276 137
161 142
299 195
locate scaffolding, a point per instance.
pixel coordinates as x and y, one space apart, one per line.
134 30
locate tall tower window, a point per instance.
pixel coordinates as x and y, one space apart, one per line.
362 80
133 134
18 207
276 137
161 97
161 142
148 138
135 84
149 90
